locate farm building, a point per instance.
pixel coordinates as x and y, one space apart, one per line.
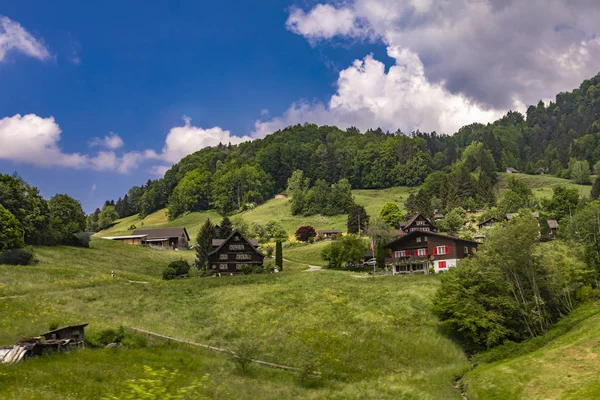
553 226
328 233
168 238
488 223
419 250
233 253
511 170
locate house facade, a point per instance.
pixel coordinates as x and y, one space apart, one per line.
418 223
233 253
168 238
416 251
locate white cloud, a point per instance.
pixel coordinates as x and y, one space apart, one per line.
35 140
93 188
186 139
462 59
369 97
324 22
14 37
112 141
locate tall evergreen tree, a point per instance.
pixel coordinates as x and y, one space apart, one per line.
204 243
358 219
279 255
596 189
225 229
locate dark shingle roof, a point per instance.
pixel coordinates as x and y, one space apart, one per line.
219 242
162 233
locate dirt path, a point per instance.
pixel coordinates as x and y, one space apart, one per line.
312 268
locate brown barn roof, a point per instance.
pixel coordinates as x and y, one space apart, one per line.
490 220
63 329
158 233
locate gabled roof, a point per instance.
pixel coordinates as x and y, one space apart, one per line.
428 233
64 328
158 233
489 220
243 238
414 218
218 242
511 169
552 224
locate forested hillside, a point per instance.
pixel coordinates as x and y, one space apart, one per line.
231 178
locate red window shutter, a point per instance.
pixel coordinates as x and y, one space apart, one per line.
446 249
426 251
417 253
435 251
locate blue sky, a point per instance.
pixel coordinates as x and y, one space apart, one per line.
83 72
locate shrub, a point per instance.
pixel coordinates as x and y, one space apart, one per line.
181 267
305 233
244 351
23 256
105 337
132 227
248 269
169 273
269 250
79 239
11 235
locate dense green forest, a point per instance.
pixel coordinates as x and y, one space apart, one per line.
231 178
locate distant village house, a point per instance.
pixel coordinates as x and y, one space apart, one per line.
328 233
168 238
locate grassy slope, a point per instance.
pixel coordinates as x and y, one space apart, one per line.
278 209
566 367
375 338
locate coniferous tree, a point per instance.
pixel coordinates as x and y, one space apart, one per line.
358 219
225 229
595 194
279 255
204 244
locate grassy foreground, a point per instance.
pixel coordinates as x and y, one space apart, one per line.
563 364
372 337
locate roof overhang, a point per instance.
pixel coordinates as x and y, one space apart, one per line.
124 237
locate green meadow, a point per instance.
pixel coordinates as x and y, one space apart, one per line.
371 337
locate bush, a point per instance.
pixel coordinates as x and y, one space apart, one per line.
105 337
244 352
176 269
248 269
305 233
24 256
132 227
79 239
11 235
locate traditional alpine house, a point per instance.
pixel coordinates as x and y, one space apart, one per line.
328 233
488 223
417 223
233 253
416 251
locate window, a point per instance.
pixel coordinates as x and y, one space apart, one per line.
223 257
222 266
422 252
425 238
441 264
243 256
401 253
466 250
441 250
236 247
420 222
419 239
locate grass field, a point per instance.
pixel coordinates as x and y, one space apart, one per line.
541 185
566 366
372 337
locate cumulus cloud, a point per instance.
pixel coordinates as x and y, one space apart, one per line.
324 22
112 141
14 37
35 140
474 56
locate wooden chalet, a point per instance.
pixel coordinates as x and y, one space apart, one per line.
233 253
328 233
488 223
416 251
417 223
